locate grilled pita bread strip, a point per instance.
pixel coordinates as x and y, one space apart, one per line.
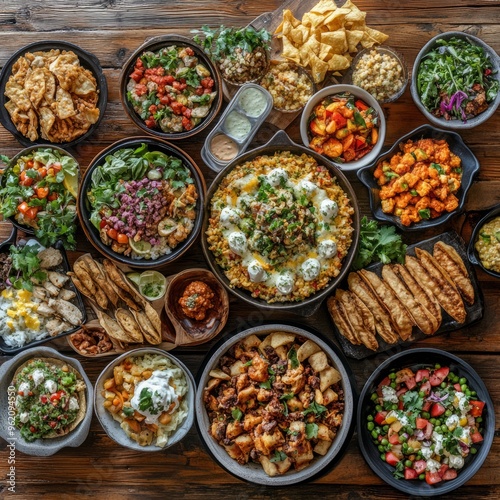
383 322
422 317
449 259
338 316
400 317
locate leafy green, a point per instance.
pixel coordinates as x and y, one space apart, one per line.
279 456
27 264
425 213
292 356
220 42
237 414
398 472
438 167
315 408
378 244
145 399
128 411
312 431
412 401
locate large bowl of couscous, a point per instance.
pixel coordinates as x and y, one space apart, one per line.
281 226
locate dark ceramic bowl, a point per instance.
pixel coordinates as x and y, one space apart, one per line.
24 152
155 44
77 300
253 472
41 447
281 142
470 167
84 208
416 359
472 253
112 427
87 60
455 124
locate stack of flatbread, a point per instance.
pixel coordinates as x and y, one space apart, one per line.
405 296
123 312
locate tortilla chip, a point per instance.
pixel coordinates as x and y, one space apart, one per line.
336 40
353 38
324 7
372 37
299 34
290 52
338 63
318 68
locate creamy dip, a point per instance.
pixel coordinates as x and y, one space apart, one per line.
223 147
488 245
253 102
237 125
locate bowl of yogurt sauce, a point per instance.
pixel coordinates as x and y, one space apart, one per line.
237 126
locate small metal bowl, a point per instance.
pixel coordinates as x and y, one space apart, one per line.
455 124
472 253
470 168
87 60
155 44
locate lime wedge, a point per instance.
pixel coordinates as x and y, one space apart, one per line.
134 277
152 284
140 247
70 183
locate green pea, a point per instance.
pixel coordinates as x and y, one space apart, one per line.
381 448
374 434
448 413
443 385
444 429
462 381
467 393
473 451
375 441
463 387
419 455
451 375
369 418
374 396
402 439
426 415
421 477
410 450
404 447
479 420
385 428
392 375
437 366
456 379
393 385
408 463
370 426
382 456
388 447
473 393
394 407
384 442
438 422
421 394
378 408
432 421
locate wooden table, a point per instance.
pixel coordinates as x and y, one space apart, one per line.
112 30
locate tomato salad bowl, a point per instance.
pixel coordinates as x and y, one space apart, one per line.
170 88
425 422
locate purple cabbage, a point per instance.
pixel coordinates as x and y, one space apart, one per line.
435 398
455 101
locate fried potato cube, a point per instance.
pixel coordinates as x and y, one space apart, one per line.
324 432
219 374
237 368
245 443
247 394
281 338
251 341
329 396
322 447
308 348
318 361
250 421
234 429
328 377
281 351
269 467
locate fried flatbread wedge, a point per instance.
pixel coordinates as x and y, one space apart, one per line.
356 318
81 288
128 323
113 329
147 329
383 322
116 276
82 273
153 316
427 300
97 273
430 278
421 316
338 315
400 317
448 259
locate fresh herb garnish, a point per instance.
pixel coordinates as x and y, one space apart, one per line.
237 414
412 401
279 456
315 408
292 356
312 431
27 264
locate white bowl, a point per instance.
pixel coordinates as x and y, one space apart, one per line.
364 96
112 427
40 447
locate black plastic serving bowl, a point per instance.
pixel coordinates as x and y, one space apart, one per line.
470 167
281 142
87 60
153 45
416 359
472 253
84 208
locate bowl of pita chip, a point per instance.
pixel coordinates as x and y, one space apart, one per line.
39 385
52 92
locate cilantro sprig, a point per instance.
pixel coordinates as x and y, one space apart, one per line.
378 244
26 265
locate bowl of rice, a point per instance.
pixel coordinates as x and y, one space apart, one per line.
144 399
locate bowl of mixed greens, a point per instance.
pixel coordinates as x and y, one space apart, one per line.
38 191
140 202
456 80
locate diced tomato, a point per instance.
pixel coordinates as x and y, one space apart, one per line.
425 387
421 374
207 83
360 142
340 121
42 192
23 207
56 166
53 424
420 466
457 387
122 238
410 473
52 196
187 112
428 431
187 123
391 459
141 89
437 410
176 85
112 233
476 437
30 164
165 100
449 474
137 75
56 396
432 477
385 381
401 405
176 107
476 408
361 105
31 213
42 172
427 405
43 398
150 122
401 391
24 179
410 383
394 438
487 72
443 469
422 423
103 224
32 429
438 376
380 417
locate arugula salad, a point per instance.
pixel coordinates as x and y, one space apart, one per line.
456 80
142 202
40 191
170 89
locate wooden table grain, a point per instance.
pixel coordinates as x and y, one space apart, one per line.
112 29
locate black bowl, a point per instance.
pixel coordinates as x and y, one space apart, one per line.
87 60
281 142
470 167
415 359
13 161
158 43
78 300
84 209
472 253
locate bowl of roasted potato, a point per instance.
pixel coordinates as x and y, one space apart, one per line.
275 404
